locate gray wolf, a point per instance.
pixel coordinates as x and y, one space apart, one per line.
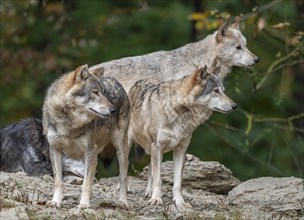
227 44
24 148
82 113
164 116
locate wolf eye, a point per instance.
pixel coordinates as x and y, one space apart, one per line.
216 91
95 92
238 47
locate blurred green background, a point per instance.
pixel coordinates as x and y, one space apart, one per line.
41 39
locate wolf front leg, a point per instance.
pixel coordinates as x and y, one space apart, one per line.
156 159
179 155
123 160
56 159
90 169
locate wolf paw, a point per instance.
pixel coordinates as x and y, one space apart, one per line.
182 206
148 194
83 206
53 204
156 201
122 204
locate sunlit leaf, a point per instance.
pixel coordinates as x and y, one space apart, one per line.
196 16
281 25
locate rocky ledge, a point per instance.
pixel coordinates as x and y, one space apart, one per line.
209 187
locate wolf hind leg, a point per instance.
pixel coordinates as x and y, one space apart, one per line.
34 162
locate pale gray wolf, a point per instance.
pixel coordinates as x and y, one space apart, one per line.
227 44
24 148
82 113
164 116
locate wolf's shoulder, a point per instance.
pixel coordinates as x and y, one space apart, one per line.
144 88
146 84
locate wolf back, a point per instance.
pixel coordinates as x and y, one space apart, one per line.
227 44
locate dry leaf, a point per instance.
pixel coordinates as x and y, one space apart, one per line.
281 25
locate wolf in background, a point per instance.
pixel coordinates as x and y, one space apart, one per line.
82 113
227 44
24 148
163 117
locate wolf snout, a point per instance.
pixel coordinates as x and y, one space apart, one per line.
112 110
256 60
234 106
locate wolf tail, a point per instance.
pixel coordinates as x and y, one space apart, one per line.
139 151
107 155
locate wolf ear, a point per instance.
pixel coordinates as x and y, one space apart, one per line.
204 73
222 32
216 70
236 24
82 73
201 74
98 72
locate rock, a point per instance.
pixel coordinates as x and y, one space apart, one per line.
276 196
4 177
25 197
9 212
207 175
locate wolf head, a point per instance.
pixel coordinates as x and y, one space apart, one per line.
208 92
86 92
231 46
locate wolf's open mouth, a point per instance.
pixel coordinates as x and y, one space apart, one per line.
98 113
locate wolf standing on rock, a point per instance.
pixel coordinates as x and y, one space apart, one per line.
82 113
163 117
227 44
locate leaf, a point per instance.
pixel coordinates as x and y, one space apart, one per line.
197 16
261 24
281 25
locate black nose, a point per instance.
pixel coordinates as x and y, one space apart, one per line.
234 106
112 110
256 60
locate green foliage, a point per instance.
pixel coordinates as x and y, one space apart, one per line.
41 39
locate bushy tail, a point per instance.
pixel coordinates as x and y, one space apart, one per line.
107 155
139 151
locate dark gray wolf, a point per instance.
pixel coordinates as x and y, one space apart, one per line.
24 148
227 44
164 116
82 113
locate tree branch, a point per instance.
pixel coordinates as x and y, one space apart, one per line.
276 63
